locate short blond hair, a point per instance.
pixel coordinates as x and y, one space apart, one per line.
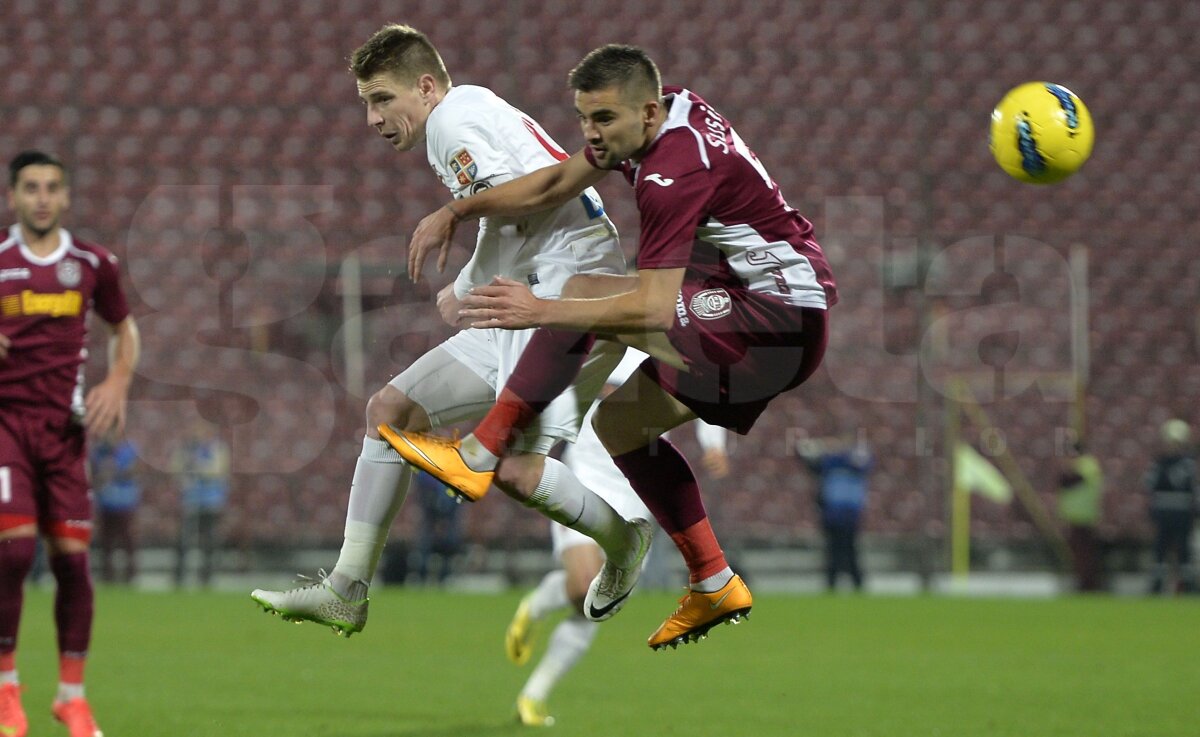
400 50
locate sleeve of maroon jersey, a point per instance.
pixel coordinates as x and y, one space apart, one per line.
109 299
670 215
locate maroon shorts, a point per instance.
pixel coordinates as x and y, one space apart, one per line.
43 476
741 349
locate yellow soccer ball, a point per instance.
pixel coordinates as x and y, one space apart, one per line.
1041 133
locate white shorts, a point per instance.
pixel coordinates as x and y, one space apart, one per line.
594 468
458 381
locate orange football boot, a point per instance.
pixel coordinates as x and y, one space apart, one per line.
12 717
699 612
440 458
77 715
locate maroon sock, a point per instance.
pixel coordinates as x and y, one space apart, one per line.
663 479
661 476
73 602
547 367
16 558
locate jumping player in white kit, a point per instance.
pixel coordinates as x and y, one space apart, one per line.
580 559
474 141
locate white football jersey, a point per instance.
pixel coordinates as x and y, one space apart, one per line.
476 140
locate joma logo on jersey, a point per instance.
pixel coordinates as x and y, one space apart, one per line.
64 304
14 274
681 311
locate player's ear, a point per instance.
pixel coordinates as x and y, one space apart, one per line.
650 112
426 85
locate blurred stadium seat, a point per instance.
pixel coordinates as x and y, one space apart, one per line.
887 100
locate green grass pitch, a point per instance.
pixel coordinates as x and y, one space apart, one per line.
432 664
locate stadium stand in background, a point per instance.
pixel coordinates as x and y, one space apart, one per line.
872 118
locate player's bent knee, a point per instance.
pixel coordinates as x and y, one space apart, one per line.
65 545
14 526
391 406
613 426
519 475
66 537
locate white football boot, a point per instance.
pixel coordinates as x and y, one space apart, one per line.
611 586
317 601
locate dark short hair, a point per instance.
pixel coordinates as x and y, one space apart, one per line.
617 65
31 158
401 50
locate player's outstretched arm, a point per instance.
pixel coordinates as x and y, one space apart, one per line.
648 308
534 192
105 403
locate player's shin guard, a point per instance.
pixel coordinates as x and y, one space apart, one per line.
73 602
547 367
16 558
663 479
563 498
380 485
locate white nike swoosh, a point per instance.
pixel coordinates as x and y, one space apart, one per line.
421 453
718 602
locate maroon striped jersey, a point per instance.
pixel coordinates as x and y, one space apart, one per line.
708 204
44 304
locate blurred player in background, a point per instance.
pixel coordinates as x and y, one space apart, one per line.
474 141
48 282
580 560
726 268
1080 506
841 466
1173 485
202 469
114 466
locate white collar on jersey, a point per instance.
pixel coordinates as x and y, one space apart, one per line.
677 117
65 243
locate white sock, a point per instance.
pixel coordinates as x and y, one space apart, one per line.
8 676
477 457
69 691
381 481
550 594
568 643
561 497
715 582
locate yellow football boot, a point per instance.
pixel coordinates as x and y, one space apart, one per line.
520 637
440 458
699 612
533 713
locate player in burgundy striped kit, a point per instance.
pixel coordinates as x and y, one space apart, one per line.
726 269
49 281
